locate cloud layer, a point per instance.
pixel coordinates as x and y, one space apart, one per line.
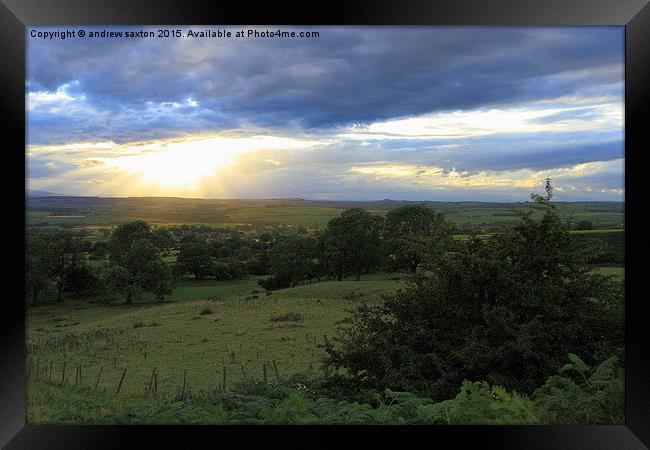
359 112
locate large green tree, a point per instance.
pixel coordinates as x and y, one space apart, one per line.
292 259
136 262
506 310
352 243
194 257
50 256
414 233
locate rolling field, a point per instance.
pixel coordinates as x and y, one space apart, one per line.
203 327
94 212
201 335
212 290
605 231
297 215
617 272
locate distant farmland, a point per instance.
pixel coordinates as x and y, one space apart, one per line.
94 212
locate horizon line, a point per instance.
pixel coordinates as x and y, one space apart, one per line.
308 199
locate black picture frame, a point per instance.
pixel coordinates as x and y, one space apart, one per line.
16 15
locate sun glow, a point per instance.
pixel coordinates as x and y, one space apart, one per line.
183 164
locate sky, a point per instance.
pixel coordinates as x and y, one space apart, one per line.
357 113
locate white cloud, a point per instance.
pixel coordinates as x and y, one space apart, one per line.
483 122
51 99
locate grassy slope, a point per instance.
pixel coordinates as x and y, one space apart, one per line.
176 336
618 272
212 289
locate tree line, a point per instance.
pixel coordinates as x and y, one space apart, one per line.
352 244
410 238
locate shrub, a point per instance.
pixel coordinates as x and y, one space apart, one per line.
580 394
287 317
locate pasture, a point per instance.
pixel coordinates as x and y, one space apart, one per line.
205 327
202 328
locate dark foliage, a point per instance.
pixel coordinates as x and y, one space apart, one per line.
351 243
414 234
507 310
136 263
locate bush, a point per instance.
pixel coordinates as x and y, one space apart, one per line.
580 394
274 283
83 280
287 317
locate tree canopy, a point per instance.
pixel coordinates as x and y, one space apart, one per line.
136 262
50 256
351 243
414 233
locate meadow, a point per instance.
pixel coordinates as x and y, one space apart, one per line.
206 329
202 329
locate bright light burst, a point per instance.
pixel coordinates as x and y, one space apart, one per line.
183 164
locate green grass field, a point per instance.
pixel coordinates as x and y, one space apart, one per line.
204 326
610 231
212 289
603 231
297 215
617 272
196 334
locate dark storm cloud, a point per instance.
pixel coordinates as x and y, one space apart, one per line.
348 75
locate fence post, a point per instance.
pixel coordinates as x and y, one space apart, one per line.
149 389
184 378
275 369
266 379
119 386
63 374
155 385
224 377
98 375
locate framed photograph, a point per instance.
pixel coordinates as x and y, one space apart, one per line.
369 217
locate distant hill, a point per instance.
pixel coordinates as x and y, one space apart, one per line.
34 193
